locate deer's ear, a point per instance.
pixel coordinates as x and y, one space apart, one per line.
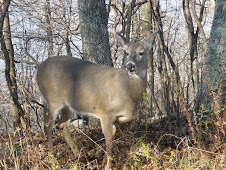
149 42
122 41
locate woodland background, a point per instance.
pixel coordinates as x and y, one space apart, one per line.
181 122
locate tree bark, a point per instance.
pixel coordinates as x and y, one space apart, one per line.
67 44
129 19
198 21
93 21
212 90
49 28
193 38
10 74
147 29
216 57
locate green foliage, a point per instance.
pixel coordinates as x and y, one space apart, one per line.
171 157
53 161
201 116
73 167
202 119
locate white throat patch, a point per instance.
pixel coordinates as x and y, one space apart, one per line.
142 74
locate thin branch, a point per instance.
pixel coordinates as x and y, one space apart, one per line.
198 22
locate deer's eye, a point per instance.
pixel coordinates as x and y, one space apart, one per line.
141 53
126 53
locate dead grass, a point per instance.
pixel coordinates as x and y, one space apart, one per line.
165 145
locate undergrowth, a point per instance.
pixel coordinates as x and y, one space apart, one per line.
166 144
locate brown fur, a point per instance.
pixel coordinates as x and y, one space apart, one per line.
111 94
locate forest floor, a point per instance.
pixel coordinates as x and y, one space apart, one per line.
165 144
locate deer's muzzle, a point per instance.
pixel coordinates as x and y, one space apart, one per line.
131 67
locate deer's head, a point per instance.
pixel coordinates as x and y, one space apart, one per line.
137 54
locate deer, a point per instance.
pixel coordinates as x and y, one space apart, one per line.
68 84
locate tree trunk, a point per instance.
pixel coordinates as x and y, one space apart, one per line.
67 29
147 29
212 89
49 28
216 57
129 19
193 38
165 52
9 46
67 44
93 21
10 74
162 68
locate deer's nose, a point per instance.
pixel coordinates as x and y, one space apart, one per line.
130 66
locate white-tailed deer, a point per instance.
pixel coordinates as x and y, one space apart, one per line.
110 94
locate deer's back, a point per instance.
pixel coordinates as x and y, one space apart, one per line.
85 86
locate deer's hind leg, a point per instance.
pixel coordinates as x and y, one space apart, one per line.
48 128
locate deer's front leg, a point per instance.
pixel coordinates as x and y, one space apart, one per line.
64 121
109 130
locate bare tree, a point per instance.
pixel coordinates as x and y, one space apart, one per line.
10 73
164 54
193 35
147 28
49 28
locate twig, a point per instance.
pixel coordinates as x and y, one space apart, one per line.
182 140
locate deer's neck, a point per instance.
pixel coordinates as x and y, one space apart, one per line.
137 86
142 74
